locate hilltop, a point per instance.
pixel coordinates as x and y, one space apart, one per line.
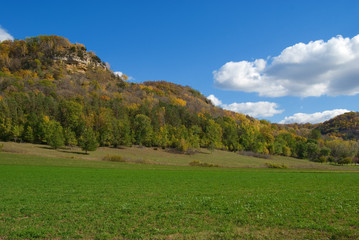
57 93
345 125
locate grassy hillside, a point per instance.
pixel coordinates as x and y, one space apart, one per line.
34 154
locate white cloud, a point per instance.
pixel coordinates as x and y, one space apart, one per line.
313 69
4 35
253 109
129 78
118 73
214 100
317 117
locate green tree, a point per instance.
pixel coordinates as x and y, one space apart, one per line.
313 150
70 114
302 150
345 160
122 132
29 134
247 136
142 130
17 131
341 149
230 134
163 136
87 140
194 136
70 137
213 134
55 137
104 126
325 151
315 134
5 129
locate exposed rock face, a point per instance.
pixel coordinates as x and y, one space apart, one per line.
75 63
46 55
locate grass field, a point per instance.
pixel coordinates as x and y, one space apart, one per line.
63 196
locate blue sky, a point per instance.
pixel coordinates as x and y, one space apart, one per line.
275 60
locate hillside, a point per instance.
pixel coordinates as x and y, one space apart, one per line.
345 125
58 93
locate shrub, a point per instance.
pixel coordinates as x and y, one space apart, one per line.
1 147
345 160
331 159
114 158
117 158
202 164
276 165
322 159
254 154
139 161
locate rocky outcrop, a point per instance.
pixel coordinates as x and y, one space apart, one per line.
80 63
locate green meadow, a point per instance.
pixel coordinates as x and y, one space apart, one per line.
48 194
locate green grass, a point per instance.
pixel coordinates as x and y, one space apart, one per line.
68 202
52 197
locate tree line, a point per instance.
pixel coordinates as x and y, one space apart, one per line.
91 122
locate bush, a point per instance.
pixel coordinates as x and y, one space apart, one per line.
139 161
345 160
331 159
114 158
276 165
1 147
254 154
117 158
202 164
322 159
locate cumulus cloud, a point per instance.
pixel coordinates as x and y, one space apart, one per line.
214 100
118 73
254 109
317 117
4 35
313 69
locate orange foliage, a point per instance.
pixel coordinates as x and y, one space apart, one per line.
106 98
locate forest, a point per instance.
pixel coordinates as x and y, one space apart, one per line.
57 93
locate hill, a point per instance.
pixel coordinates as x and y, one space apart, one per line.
345 125
57 93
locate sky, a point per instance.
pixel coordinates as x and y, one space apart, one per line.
283 61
